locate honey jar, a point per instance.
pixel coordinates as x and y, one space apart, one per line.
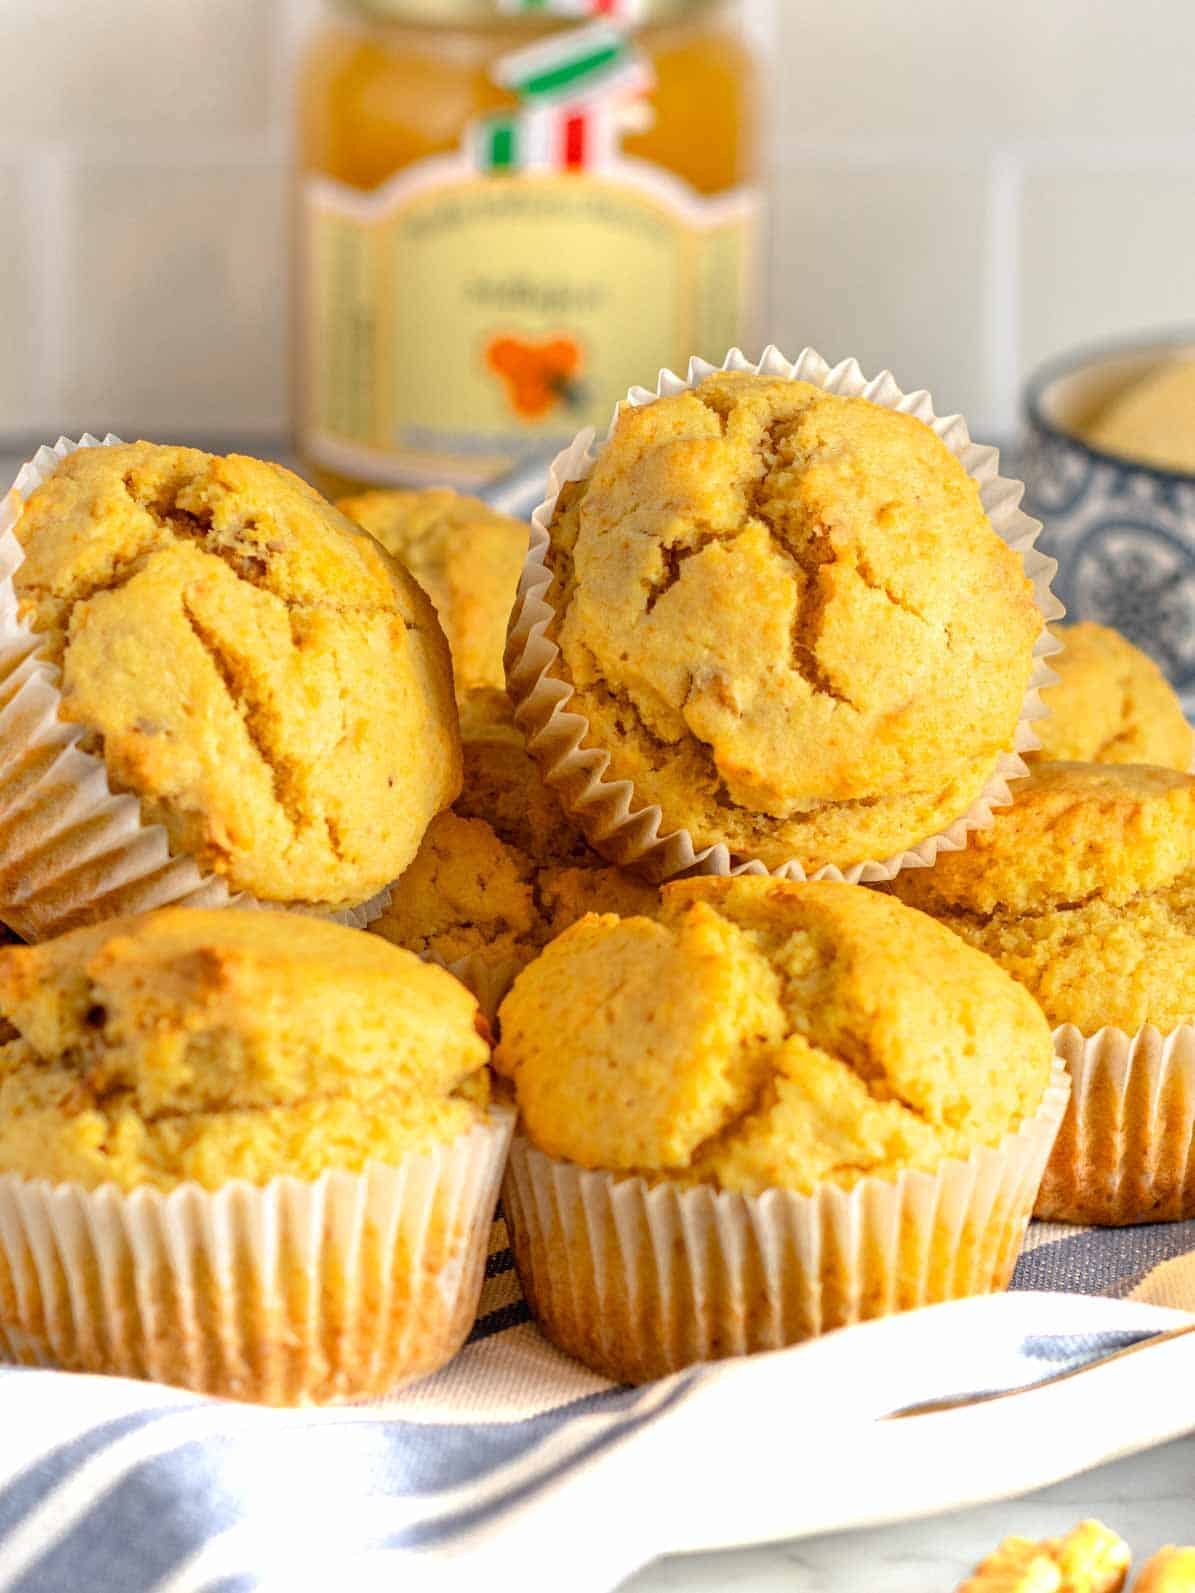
510 211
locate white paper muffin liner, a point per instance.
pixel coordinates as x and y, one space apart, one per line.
1126 1149
289 1293
638 1280
627 830
487 978
71 849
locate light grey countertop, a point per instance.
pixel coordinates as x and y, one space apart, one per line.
1149 1499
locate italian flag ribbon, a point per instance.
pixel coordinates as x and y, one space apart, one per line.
574 91
547 138
599 61
620 10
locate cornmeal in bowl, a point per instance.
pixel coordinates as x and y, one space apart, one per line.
1153 420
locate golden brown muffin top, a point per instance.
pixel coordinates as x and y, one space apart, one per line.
789 620
466 557
1111 705
1098 963
1074 831
504 871
471 894
1084 891
466 894
763 1034
1153 420
222 632
229 1034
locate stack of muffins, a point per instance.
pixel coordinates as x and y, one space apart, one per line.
252 1152
782 636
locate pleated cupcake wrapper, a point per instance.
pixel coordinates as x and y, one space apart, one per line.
72 850
638 1280
489 980
615 820
1125 1150
289 1293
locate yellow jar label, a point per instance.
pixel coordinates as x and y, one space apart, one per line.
456 321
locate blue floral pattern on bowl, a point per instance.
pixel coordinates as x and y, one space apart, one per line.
1123 533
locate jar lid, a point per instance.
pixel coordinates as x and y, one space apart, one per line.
479 12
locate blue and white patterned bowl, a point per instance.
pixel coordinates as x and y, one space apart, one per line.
1123 533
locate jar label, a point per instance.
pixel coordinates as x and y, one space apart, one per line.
487 304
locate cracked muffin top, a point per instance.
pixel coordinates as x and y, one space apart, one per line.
469 893
1111 705
789 621
222 632
1084 890
186 1044
467 559
763 1033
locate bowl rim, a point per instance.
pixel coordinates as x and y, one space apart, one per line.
1070 363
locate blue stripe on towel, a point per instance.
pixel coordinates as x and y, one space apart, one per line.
1060 1350
1108 1261
154 1518
499 1321
425 1459
498 1262
24 1494
464 1521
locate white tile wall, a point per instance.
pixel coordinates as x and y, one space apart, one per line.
1106 251
960 188
863 264
75 70
174 299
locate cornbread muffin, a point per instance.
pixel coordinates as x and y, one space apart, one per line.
221 633
467 559
769 1034
754 1119
466 894
1111 705
788 621
1153 420
505 871
567 894
503 786
207 1046
469 894
1084 890
243 1152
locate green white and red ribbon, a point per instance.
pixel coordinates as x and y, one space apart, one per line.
595 62
545 138
619 10
578 92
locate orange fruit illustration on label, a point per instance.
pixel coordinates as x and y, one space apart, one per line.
536 376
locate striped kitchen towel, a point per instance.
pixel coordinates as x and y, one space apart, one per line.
514 1467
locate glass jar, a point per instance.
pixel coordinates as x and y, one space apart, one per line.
507 219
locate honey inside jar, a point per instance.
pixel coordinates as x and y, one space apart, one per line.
486 268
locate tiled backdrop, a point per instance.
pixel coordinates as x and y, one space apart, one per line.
961 187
